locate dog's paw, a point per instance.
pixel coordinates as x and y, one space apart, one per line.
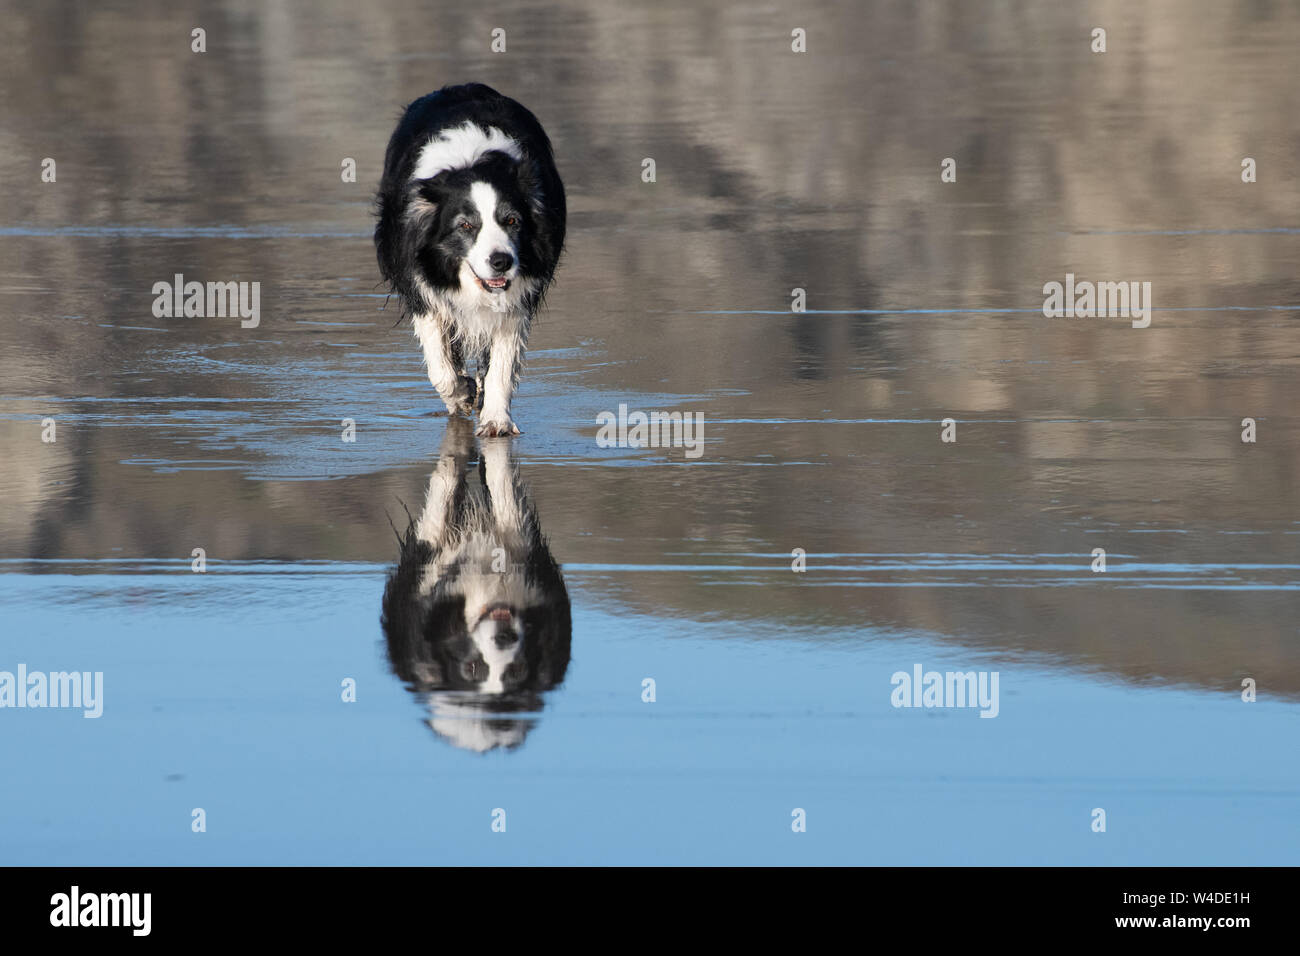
499 427
462 398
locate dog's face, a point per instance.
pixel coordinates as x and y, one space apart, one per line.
477 227
485 627
498 637
481 647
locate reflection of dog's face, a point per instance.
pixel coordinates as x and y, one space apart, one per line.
476 614
496 638
478 636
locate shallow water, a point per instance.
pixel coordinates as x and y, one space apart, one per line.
774 171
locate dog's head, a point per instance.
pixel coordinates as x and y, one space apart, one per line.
480 229
493 633
481 646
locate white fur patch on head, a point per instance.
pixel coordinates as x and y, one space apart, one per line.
491 237
497 659
459 147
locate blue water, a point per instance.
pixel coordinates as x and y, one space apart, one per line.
222 691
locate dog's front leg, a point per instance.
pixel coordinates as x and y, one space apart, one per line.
506 492
444 365
504 358
447 477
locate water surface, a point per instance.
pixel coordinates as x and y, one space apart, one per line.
775 171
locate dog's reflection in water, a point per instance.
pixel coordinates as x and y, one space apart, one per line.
475 614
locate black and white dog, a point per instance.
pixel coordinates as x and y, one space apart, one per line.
476 614
471 224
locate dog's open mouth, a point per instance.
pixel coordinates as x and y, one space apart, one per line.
497 612
499 284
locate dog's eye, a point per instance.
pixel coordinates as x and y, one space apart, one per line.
512 221
464 226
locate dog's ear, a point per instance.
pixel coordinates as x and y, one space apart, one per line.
529 177
427 673
427 195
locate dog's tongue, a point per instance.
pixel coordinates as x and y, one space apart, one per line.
495 283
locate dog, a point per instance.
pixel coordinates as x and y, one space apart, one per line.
475 615
470 229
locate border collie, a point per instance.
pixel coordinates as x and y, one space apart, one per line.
476 616
471 224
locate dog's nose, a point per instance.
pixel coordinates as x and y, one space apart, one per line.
501 261
504 639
